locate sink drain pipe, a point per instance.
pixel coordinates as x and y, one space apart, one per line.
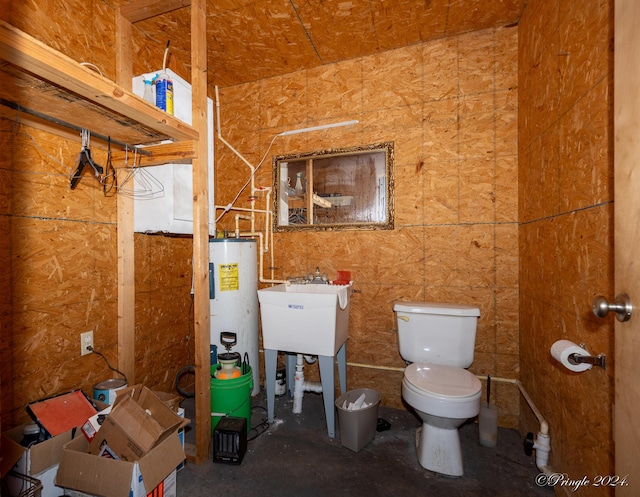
300 386
541 444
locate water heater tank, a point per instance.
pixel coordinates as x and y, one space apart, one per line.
233 302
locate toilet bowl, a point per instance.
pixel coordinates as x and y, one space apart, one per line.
438 340
444 397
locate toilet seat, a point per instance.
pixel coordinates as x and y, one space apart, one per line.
443 382
443 391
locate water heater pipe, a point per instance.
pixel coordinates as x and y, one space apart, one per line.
238 218
261 277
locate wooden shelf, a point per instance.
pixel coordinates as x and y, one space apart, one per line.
37 77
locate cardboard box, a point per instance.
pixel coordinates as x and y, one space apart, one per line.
39 461
94 475
171 400
10 453
166 488
138 422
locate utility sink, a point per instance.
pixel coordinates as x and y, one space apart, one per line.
305 319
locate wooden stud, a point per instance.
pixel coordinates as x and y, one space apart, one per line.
125 241
201 230
124 50
126 286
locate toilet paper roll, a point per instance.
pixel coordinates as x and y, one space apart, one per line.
562 349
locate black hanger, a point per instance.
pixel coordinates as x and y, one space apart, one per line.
85 159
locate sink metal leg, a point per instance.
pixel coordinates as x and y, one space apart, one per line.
291 373
342 367
270 363
328 386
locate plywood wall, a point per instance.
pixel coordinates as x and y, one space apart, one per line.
450 107
566 231
6 314
58 246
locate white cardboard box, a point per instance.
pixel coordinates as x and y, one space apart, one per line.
168 488
39 461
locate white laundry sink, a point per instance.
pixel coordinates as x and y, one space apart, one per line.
305 319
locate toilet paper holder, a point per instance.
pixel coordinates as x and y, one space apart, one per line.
599 360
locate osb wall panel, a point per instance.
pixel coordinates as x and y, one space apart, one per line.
60 245
74 37
63 276
450 107
164 311
566 231
6 317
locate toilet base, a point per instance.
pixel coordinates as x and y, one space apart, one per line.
439 450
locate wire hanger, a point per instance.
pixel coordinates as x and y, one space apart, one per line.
85 159
139 183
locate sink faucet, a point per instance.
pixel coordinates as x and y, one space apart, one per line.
319 279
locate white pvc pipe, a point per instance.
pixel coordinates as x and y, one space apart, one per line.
300 385
544 426
251 166
313 386
238 217
261 277
242 209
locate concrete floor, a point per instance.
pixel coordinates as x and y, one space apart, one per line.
295 457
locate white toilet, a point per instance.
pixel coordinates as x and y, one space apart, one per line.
438 340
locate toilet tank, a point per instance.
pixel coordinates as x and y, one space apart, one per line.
437 333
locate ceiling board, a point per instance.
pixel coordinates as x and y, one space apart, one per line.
332 24
249 43
407 22
249 40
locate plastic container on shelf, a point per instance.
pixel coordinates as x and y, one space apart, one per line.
148 91
164 93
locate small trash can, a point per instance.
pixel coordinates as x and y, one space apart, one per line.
357 427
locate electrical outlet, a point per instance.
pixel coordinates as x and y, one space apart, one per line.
86 340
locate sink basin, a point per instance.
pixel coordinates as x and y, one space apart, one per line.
305 319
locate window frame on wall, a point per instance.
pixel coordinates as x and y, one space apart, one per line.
335 189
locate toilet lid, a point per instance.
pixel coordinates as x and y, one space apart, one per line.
445 381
